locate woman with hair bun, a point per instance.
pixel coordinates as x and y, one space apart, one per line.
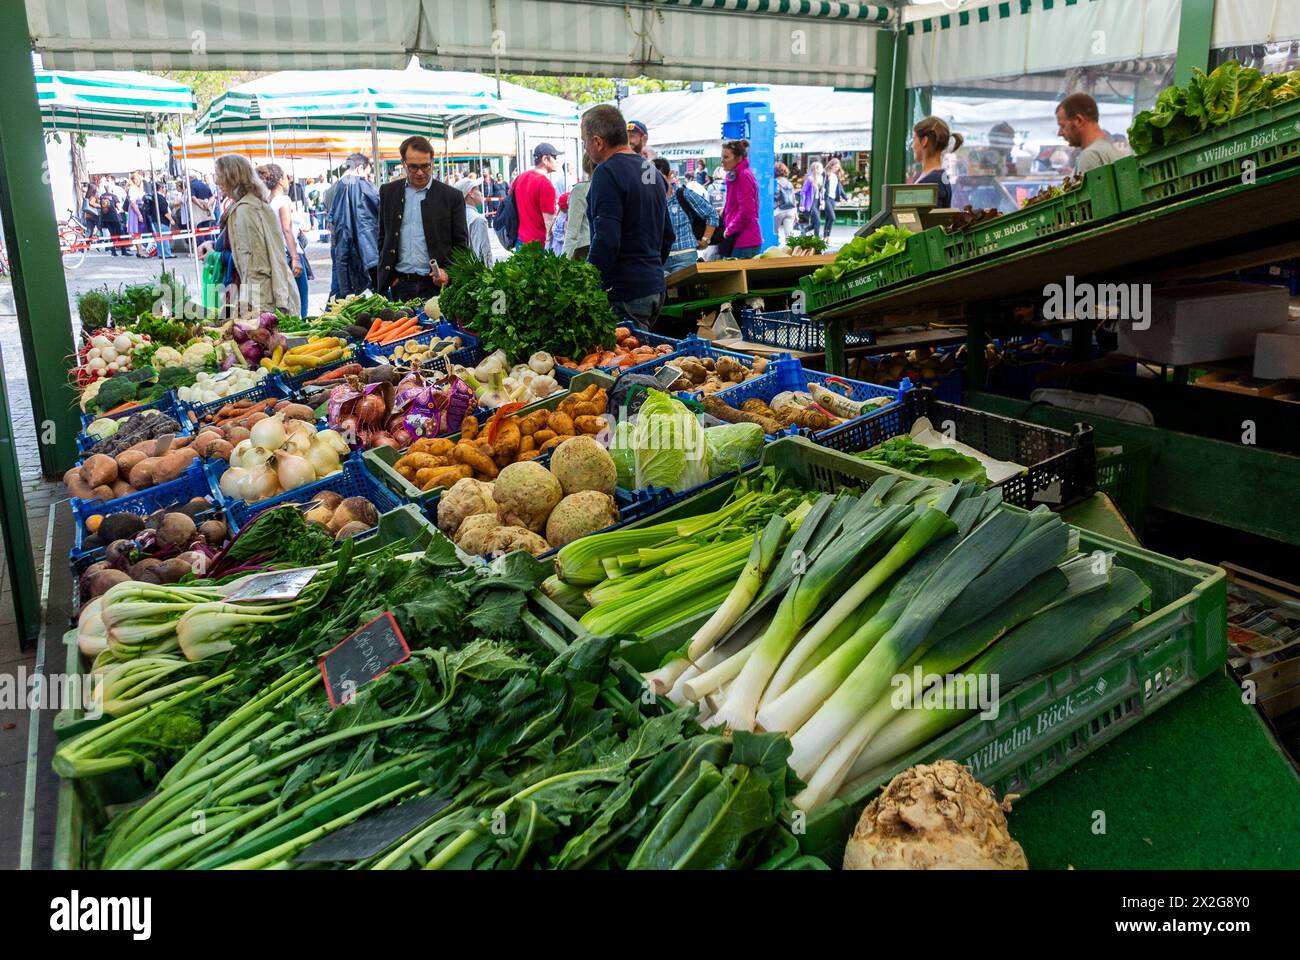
930 138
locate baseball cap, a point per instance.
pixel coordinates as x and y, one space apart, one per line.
638 125
466 185
544 150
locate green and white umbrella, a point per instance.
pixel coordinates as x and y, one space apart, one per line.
108 102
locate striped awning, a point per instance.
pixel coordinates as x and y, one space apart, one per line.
399 102
824 42
108 102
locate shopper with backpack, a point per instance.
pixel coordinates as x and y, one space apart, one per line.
692 217
786 201
110 216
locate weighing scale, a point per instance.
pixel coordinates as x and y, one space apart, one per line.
910 206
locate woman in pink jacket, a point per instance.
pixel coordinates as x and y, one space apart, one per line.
740 228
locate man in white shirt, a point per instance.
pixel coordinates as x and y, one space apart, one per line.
480 238
1078 119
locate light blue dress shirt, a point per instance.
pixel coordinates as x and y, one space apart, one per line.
412 251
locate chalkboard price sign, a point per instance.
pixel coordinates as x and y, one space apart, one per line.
362 657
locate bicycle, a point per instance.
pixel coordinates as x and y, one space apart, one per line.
74 240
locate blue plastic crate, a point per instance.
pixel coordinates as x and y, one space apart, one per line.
190 484
694 347
85 442
291 383
467 356
564 374
167 403
268 386
789 330
355 480
788 374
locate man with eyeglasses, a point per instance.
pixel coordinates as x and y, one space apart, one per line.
421 221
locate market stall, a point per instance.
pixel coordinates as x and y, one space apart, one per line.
494 583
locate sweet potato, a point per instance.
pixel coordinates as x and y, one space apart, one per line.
541 436
590 424
505 445
470 455
587 409
99 470
414 462
434 446
533 422
121 487
443 476
527 443
560 423
77 485
554 442
141 476
469 427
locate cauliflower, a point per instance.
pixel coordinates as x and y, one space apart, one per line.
167 357
198 355
526 493
466 498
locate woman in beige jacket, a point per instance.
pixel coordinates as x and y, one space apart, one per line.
255 241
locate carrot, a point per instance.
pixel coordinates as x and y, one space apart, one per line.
400 332
122 406
347 370
374 327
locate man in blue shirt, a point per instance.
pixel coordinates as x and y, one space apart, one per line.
420 222
693 220
627 207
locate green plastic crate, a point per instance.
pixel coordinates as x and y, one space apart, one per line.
1093 201
1049 722
1266 139
1124 477
84 803
380 461
914 262
807 464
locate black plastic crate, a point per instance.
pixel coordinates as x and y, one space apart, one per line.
791 330
1061 468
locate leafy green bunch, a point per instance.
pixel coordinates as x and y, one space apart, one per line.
535 300
1209 100
861 251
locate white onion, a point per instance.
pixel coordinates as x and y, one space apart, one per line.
292 470
233 481
268 433
323 459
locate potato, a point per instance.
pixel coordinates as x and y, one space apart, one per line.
559 423
103 492
590 424
99 470
235 435
122 488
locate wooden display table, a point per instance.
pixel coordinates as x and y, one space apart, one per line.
722 278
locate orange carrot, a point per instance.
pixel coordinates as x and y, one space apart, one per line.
122 406
374 327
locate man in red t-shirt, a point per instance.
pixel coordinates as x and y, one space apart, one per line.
535 196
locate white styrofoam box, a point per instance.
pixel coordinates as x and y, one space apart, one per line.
1200 323
1277 353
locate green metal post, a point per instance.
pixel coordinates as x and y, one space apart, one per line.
40 291
836 364
20 560
889 114
1195 25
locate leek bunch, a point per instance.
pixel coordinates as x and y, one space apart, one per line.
871 588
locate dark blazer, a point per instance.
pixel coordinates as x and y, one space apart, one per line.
445 228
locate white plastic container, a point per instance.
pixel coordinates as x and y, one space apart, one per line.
1205 322
1277 353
